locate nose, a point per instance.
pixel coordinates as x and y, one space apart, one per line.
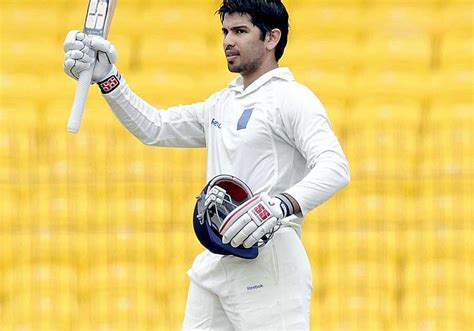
228 41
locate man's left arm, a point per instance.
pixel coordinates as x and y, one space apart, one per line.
306 123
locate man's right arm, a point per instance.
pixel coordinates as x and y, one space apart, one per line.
180 126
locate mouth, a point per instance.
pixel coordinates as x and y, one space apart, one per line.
231 55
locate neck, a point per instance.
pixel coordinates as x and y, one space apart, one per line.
253 76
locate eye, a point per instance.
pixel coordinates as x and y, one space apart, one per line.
240 31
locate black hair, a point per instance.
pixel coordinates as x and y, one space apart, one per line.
264 14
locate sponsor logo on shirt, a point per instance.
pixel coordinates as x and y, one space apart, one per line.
254 287
216 123
244 119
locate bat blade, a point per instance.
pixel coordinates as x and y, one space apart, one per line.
97 22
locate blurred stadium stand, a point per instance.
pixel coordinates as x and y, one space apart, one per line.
95 228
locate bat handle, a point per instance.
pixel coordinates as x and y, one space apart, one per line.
85 78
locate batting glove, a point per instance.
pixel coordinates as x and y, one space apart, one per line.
79 56
254 219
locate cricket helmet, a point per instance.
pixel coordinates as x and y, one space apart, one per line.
207 219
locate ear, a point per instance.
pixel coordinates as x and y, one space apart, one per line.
272 38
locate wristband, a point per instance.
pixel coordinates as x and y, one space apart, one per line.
109 84
286 205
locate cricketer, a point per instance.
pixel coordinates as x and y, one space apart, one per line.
265 129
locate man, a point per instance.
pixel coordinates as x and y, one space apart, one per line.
267 130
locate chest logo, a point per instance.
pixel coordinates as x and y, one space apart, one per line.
244 119
216 123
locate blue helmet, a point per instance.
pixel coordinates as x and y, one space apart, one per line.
207 220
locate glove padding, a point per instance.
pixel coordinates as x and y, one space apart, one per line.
79 56
251 221
215 195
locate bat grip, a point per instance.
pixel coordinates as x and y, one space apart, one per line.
85 79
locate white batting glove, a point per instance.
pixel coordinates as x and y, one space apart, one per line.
78 49
215 196
249 222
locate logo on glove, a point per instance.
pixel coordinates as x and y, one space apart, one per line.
262 212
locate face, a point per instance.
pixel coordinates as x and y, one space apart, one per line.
243 47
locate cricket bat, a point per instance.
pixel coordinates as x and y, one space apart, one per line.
98 19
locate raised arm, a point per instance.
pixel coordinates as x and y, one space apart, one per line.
180 126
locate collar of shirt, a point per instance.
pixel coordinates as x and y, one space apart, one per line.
238 83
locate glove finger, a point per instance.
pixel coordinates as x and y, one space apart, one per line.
74 40
238 212
235 228
79 55
102 45
105 58
73 67
260 232
243 234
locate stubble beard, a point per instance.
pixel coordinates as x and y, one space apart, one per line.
245 69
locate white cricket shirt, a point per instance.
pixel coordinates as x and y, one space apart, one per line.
274 135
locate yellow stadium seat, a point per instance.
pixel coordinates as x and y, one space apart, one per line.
165 88
325 2
399 19
396 53
337 113
382 139
142 277
19 114
122 245
122 310
357 244
184 237
371 277
446 146
18 140
445 309
457 50
431 275
382 154
15 206
454 85
329 53
314 20
440 207
9 203
392 85
163 52
380 115
177 19
29 56
21 86
356 311
450 115
379 209
97 117
437 241
40 277
209 83
456 17
326 84
45 244
40 311
24 19
434 323
447 153
449 185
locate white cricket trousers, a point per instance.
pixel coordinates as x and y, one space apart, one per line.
271 292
